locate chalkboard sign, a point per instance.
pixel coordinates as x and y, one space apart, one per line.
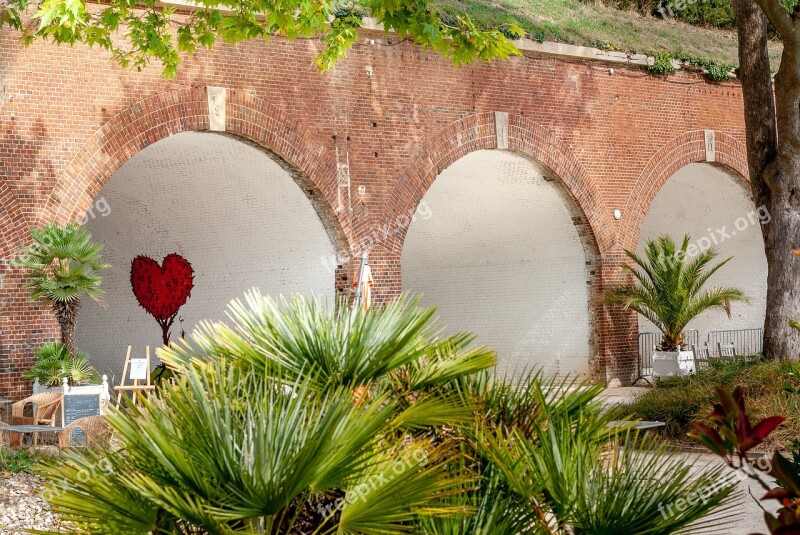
77 406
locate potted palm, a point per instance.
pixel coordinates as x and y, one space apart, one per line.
53 363
670 291
64 265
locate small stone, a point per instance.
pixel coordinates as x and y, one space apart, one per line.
22 506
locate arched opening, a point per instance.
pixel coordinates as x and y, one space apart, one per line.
503 251
230 208
713 205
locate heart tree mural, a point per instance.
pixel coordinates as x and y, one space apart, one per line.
162 290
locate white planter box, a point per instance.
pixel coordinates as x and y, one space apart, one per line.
87 390
669 363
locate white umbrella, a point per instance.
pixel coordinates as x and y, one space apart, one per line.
363 284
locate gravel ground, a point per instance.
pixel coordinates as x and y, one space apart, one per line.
22 506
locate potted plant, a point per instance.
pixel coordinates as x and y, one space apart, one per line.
53 364
64 265
670 291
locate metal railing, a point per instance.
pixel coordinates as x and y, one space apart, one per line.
746 342
648 340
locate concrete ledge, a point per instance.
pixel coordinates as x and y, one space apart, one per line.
571 52
547 48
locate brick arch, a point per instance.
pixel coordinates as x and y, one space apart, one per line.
186 110
478 132
677 153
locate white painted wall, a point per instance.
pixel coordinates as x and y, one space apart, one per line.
700 200
228 208
500 256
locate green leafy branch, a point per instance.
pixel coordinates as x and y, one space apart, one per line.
139 32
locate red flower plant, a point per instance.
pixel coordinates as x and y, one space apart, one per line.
162 290
734 432
731 435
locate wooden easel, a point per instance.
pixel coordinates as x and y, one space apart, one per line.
137 384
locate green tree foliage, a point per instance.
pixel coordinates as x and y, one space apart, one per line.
138 32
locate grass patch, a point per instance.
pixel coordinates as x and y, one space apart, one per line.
21 460
596 25
678 401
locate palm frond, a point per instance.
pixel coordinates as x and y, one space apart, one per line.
101 503
669 289
295 338
402 487
53 363
450 359
563 472
487 508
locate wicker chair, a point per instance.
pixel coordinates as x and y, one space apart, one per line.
45 409
96 431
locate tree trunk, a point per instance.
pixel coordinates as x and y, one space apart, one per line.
166 325
783 282
782 176
67 316
773 154
759 105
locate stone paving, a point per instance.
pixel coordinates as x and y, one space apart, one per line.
744 515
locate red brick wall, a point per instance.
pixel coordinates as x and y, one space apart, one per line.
71 119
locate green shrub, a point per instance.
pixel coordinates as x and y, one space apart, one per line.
303 417
677 401
15 461
717 72
662 64
714 13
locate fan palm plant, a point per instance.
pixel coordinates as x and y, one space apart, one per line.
64 265
670 288
227 450
261 434
634 491
538 446
53 363
333 343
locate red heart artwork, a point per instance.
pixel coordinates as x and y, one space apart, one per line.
162 290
